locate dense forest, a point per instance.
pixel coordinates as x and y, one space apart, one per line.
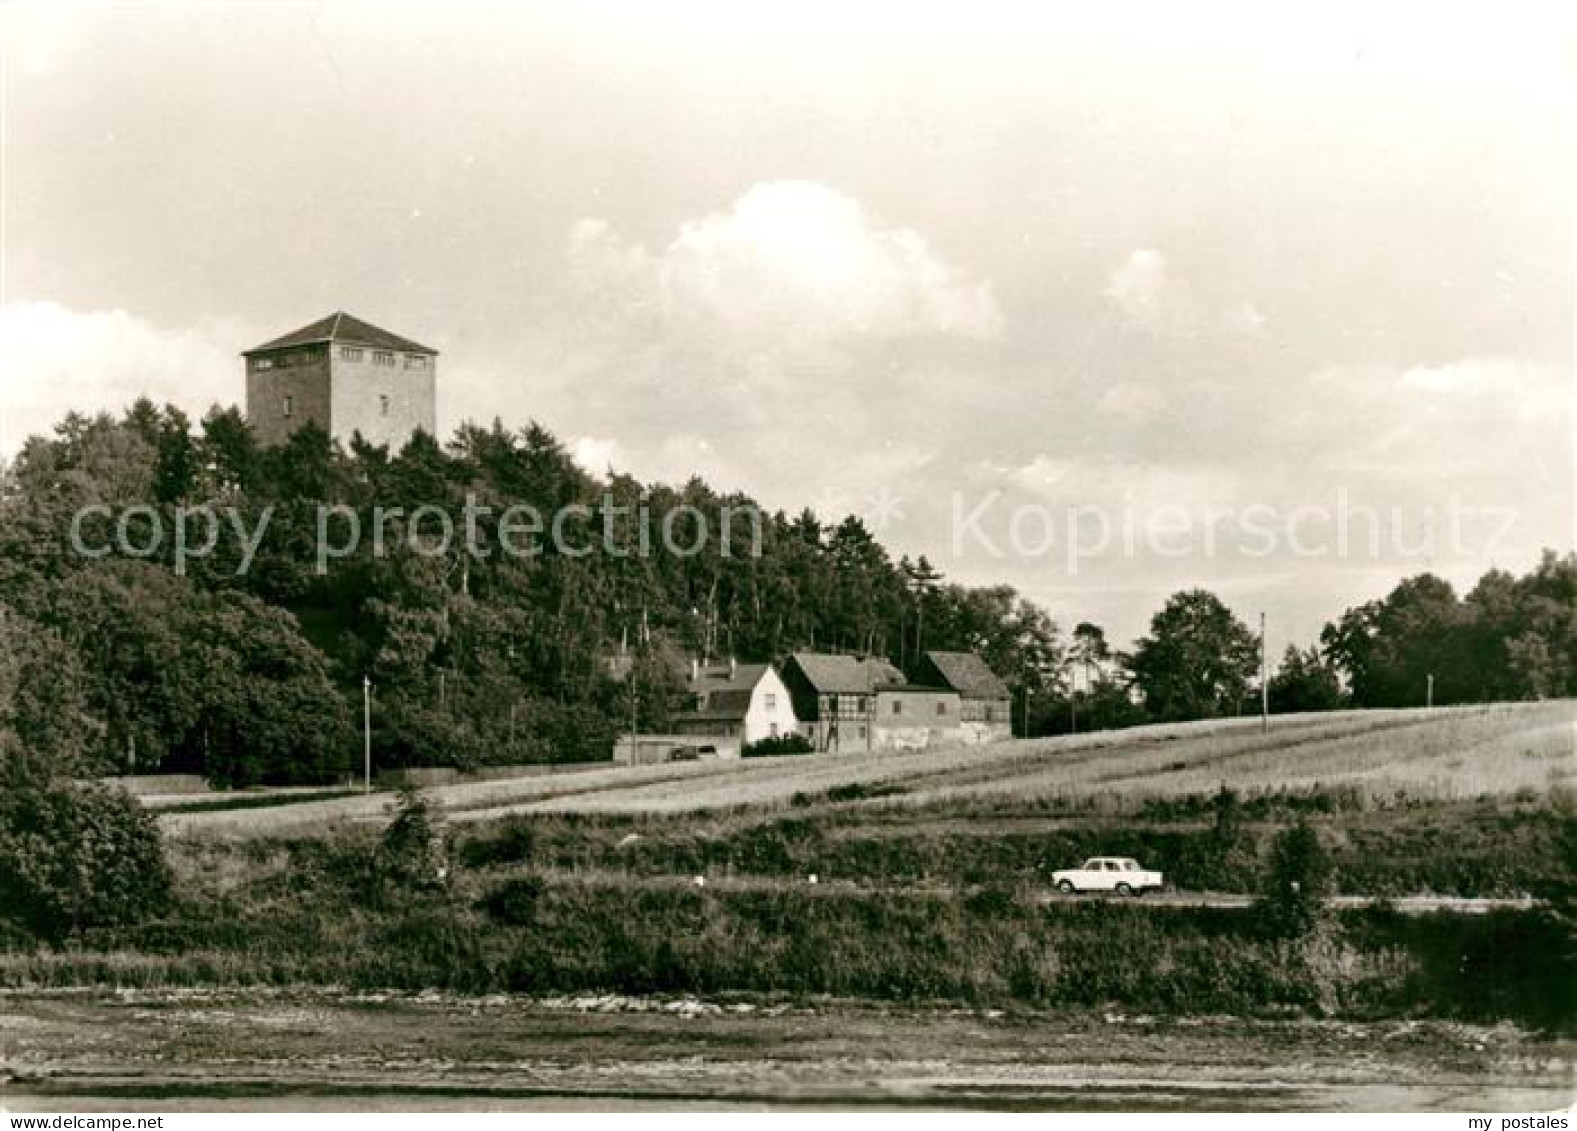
159 662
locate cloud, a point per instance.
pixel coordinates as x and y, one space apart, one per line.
1151 297
789 259
56 360
596 454
789 344
1143 291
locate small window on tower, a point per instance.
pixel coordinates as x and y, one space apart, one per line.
382 357
415 361
350 353
290 407
262 363
383 404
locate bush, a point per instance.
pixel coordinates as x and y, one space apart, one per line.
514 902
513 843
75 856
1296 883
411 850
782 744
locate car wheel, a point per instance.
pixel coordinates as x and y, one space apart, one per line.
1124 890
1065 887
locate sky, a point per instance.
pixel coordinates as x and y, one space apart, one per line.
1098 306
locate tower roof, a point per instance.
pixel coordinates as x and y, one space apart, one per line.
342 327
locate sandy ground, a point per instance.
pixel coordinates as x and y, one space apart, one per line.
292 1050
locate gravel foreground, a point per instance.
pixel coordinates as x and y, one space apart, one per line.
258 1050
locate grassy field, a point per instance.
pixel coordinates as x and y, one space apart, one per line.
1445 754
932 878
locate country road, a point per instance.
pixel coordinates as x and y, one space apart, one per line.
1420 904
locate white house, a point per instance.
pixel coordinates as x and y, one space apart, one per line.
747 702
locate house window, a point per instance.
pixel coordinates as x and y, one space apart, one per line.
262 363
382 357
771 700
383 403
415 361
832 705
290 407
350 353
941 706
897 706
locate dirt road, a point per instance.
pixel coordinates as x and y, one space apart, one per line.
1406 904
259 1050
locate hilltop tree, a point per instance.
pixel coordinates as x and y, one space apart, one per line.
1198 660
1305 681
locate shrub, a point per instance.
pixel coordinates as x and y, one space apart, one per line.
514 902
411 850
513 843
782 744
1296 883
74 856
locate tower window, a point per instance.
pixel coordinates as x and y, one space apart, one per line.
382 357
350 353
415 361
290 407
262 363
383 403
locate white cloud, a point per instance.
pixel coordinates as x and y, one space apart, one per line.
1144 292
596 454
759 345
1152 297
788 259
57 360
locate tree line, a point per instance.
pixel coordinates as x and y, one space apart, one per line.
256 675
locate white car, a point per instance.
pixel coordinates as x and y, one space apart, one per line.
1107 873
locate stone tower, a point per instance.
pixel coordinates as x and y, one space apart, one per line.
346 376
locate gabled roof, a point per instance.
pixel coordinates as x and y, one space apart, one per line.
967 674
743 677
846 675
342 327
732 705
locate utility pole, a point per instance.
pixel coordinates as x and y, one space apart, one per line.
1429 691
1073 701
1264 683
870 703
366 734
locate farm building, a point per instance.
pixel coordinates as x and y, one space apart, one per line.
911 717
743 702
835 697
851 703
987 702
